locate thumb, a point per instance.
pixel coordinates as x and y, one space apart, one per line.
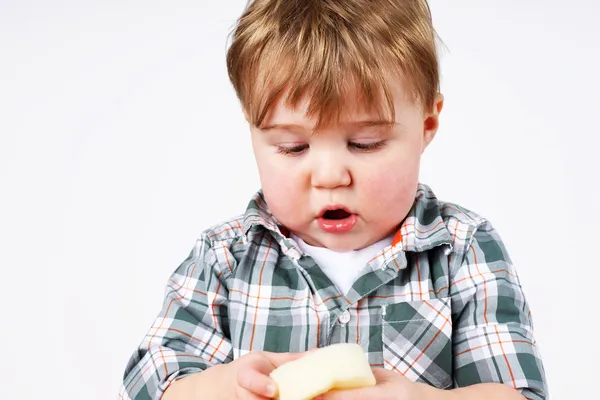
384 375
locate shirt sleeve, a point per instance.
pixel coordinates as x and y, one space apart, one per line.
189 335
493 336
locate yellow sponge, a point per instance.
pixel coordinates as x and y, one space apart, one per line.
339 366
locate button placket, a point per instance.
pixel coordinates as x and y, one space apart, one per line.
344 317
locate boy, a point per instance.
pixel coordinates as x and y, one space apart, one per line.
342 244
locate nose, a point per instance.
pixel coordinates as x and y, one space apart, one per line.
330 172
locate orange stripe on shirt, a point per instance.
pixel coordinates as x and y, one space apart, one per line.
506 358
258 299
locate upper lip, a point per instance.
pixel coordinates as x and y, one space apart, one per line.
334 207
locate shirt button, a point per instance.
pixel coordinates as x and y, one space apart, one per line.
345 317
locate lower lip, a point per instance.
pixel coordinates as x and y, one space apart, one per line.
337 225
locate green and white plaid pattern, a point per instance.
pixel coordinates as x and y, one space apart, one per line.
442 305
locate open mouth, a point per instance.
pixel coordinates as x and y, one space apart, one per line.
337 219
336 214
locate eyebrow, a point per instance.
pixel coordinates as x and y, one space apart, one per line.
363 124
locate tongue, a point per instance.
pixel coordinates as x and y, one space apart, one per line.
336 214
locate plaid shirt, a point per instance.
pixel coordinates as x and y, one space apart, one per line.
442 305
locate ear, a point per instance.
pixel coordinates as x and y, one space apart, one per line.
432 121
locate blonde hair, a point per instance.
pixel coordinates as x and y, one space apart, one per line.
333 51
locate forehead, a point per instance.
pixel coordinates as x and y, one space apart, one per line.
353 108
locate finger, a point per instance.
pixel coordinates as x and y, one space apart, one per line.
243 394
256 382
385 375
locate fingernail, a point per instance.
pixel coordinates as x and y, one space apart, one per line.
271 390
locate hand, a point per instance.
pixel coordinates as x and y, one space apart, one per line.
251 373
389 385
246 378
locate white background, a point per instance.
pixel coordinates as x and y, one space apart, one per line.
121 140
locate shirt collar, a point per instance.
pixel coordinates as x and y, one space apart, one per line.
258 218
422 229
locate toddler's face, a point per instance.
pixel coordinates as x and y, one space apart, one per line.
345 186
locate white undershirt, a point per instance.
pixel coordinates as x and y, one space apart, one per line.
343 267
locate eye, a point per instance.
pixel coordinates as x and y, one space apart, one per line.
366 146
292 150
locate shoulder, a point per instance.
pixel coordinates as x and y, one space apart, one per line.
429 208
210 254
475 240
465 226
225 231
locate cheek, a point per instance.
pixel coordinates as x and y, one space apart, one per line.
392 189
281 187
276 179
389 190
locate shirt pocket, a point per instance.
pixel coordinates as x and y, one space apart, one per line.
417 340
